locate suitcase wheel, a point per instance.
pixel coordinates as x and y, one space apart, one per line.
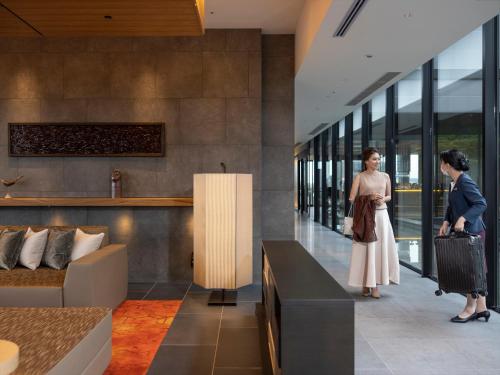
438 292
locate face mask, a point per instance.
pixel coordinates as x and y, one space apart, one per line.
445 172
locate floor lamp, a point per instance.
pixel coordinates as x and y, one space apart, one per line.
223 234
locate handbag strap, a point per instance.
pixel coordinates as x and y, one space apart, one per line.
349 214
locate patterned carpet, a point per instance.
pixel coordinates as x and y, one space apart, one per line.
138 330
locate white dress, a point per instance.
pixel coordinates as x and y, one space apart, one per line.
381 256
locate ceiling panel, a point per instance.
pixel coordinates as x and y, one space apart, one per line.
11 26
128 17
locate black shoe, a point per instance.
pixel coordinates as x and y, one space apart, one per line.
483 314
457 319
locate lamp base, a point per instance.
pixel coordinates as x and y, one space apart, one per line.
223 298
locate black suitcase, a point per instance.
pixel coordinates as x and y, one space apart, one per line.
461 264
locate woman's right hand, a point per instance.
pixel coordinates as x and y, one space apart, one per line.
444 229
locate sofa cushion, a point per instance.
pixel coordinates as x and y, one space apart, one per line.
24 287
24 277
58 341
85 244
58 250
11 243
33 248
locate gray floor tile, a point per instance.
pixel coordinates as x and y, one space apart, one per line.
136 294
242 315
140 286
366 358
238 347
183 360
193 329
250 293
171 293
372 372
197 303
422 354
237 371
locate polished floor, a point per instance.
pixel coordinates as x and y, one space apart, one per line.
406 332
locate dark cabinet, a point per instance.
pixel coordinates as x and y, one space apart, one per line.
309 317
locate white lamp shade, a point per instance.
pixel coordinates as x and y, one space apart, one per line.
223 230
9 357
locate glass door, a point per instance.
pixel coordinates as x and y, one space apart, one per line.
340 183
458 113
409 177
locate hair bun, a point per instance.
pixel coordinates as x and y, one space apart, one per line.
464 163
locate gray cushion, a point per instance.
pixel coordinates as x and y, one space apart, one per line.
11 243
57 253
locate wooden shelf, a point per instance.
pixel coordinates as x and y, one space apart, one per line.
97 202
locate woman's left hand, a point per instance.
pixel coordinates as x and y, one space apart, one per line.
460 224
379 201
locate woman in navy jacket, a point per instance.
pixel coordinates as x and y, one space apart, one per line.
465 208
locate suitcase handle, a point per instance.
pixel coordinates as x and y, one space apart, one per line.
462 234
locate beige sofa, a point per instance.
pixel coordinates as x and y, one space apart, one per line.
97 279
75 340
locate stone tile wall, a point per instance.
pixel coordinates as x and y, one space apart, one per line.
209 93
278 56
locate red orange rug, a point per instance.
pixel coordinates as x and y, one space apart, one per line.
138 330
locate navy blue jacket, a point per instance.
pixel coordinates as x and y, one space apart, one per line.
466 200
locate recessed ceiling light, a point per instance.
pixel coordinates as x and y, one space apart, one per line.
333 91
408 14
211 12
368 56
108 17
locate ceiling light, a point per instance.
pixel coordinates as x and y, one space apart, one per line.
368 56
408 14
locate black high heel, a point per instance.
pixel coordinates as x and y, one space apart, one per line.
457 319
483 314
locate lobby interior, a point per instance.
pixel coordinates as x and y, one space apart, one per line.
111 110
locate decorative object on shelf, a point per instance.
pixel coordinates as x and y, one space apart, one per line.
9 357
86 139
116 184
8 183
223 234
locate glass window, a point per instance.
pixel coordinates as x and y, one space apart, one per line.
357 146
458 112
319 173
340 192
310 180
329 176
498 153
376 128
296 191
408 175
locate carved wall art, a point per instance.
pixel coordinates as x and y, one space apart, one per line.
86 139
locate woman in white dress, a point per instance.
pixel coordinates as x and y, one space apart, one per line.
374 263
